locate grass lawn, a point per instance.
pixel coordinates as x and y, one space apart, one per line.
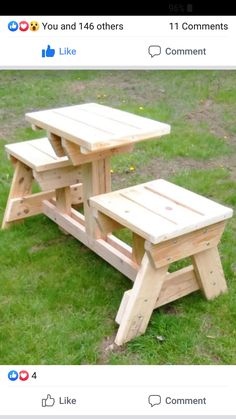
58 300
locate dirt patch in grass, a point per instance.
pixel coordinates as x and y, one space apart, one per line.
167 168
118 86
43 246
107 347
211 114
160 168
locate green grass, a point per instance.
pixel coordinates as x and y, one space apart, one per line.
58 299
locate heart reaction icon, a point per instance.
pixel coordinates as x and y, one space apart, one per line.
23 26
23 375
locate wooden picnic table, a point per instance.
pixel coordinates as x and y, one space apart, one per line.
89 135
168 223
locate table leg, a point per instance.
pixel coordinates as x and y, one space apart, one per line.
63 200
21 186
96 178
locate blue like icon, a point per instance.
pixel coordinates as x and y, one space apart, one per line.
13 26
48 52
13 375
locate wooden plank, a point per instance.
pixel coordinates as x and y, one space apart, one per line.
118 244
69 129
162 206
210 273
141 303
126 118
55 141
21 185
37 154
138 248
176 285
76 194
156 217
106 225
63 200
187 245
138 219
77 157
81 130
96 180
30 205
190 200
104 249
100 122
58 178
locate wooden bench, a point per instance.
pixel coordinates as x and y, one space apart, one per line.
169 223
36 161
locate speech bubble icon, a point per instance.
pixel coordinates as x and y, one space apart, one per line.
154 50
154 400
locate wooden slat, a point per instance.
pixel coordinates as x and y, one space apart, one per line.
95 127
161 206
210 273
133 216
186 245
190 200
56 143
101 122
176 285
58 178
69 129
126 118
158 212
37 154
76 157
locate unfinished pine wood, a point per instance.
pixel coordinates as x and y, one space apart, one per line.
56 143
187 245
58 178
141 303
159 210
106 225
176 285
29 205
21 185
63 200
96 180
210 273
73 151
138 248
37 154
97 127
121 246
103 248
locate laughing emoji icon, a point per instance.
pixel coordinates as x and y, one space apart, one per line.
34 26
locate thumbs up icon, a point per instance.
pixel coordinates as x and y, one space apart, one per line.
13 26
49 401
49 52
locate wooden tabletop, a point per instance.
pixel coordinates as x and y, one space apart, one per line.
96 127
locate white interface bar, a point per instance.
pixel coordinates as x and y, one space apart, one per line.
118 42
118 390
